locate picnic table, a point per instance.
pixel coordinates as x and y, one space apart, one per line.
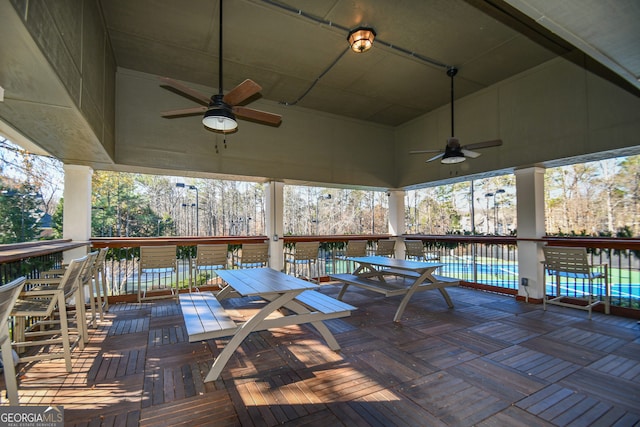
297 301
392 276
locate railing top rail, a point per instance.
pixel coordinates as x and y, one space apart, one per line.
335 238
23 245
595 242
505 240
17 252
588 242
132 242
574 241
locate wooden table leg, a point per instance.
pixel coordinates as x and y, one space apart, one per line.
414 287
248 327
356 272
405 301
331 341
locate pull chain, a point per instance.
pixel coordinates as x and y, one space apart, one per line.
224 141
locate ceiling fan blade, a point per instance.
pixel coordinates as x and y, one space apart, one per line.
435 158
424 151
184 90
470 154
183 112
257 115
241 92
484 144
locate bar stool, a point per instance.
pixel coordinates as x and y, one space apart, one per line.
160 260
252 255
43 304
354 248
208 258
304 254
386 247
99 287
8 296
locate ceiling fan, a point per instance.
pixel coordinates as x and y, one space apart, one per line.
220 110
454 152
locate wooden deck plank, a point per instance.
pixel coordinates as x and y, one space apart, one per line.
439 353
489 362
605 387
513 417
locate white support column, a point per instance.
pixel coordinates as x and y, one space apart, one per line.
274 205
76 220
531 225
396 219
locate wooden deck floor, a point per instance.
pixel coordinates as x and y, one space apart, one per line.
491 361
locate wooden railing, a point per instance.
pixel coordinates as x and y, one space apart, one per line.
488 262
29 258
491 262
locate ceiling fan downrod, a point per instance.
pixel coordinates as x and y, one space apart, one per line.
219 115
216 100
220 52
451 72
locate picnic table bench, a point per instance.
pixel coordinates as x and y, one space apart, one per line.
206 318
391 288
388 276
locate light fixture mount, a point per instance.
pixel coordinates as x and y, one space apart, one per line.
453 152
361 39
219 116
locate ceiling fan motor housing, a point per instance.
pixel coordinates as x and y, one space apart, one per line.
219 116
452 155
217 103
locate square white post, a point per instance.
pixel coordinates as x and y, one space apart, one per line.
531 225
274 205
76 219
396 219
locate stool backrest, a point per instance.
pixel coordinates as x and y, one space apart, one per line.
72 277
386 247
152 257
211 255
98 264
356 248
566 259
254 253
8 295
306 250
414 249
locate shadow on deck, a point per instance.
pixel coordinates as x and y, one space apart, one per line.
490 361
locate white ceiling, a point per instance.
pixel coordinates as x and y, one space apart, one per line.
293 48
297 51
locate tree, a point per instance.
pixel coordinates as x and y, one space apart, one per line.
57 219
629 187
120 208
43 174
597 198
20 213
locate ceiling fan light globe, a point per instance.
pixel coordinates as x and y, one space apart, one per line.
220 120
452 156
452 160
